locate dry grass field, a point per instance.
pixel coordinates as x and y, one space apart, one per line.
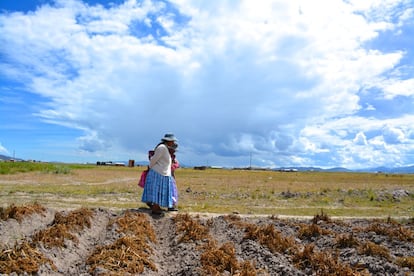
219 191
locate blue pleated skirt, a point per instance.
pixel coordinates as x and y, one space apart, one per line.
158 189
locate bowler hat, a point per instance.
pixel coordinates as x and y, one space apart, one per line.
169 137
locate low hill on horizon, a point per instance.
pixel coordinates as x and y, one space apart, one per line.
404 169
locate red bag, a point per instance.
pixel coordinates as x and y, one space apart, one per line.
141 182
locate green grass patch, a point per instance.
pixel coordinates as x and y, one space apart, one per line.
23 167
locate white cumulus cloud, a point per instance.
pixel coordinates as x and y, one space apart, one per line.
279 80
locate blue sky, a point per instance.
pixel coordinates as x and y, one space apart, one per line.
275 83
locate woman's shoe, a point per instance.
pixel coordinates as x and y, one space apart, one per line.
156 209
172 209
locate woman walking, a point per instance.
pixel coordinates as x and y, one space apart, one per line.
158 190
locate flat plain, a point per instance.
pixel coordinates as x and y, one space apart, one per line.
219 190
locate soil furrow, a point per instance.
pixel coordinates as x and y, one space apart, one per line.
134 242
70 260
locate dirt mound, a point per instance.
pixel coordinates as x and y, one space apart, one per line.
34 239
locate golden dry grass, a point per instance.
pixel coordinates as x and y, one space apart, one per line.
307 231
323 263
22 258
129 254
132 252
19 212
124 256
63 228
215 259
274 240
394 231
303 256
220 191
346 240
25 257
190 229
373 249
406 262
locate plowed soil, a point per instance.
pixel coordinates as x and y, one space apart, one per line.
46 241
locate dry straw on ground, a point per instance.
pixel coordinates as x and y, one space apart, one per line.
102 242
131 252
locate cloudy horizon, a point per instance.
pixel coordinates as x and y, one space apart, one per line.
262 83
